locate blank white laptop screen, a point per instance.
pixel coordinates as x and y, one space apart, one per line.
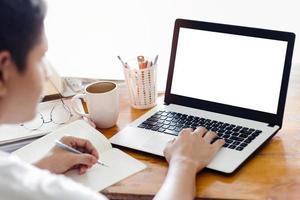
229 69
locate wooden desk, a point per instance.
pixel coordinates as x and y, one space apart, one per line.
273 173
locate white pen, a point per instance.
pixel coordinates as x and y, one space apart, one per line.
72 150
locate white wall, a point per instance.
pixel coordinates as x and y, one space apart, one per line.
85 36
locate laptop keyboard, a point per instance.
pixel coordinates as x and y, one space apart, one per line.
236 137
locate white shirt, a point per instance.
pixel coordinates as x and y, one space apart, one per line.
20 180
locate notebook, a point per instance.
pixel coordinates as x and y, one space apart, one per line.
120 165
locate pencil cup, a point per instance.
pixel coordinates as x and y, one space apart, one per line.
141 84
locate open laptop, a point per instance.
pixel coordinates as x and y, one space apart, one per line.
230 79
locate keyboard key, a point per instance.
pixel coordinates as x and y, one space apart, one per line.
214 129
220 134
226 136
243 136
142 125
170 115
221 130
171 132
152 123
255 134
161 129
225 145
151 119
171 128
248 141
229 128
245 131
235 133
243 144
159 124
236 143
229 141
233 138
165 126
167 122
178 129
251 137
258 131
175 120
235 130
149 127
245 128
160 121
172 124
188 123
223 126
232 147
228 132
236 138
194 124
155 128
239 148
180 121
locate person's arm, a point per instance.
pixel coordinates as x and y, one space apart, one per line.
59 161
187 155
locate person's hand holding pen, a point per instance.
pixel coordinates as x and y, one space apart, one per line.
59 161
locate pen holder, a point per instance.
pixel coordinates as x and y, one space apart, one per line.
141 84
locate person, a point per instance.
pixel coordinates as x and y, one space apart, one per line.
22 46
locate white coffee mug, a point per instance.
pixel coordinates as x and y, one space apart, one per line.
102 102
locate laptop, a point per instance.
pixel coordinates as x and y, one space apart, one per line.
230 79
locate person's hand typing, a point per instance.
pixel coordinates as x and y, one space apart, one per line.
193 148
60 161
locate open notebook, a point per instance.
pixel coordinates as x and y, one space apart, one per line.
120 165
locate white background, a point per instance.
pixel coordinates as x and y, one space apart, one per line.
86 35
229 69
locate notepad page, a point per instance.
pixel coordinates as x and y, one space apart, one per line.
78 128
120 165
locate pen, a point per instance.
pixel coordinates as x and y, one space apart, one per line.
72 150
141 61
124 64
155 60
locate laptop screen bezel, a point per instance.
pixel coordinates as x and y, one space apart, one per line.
272 119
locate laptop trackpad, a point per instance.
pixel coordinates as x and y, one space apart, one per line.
157 143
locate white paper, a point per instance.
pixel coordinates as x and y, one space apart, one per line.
120 165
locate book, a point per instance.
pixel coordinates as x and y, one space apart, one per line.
120 165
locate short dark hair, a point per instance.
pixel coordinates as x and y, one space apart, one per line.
21 23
